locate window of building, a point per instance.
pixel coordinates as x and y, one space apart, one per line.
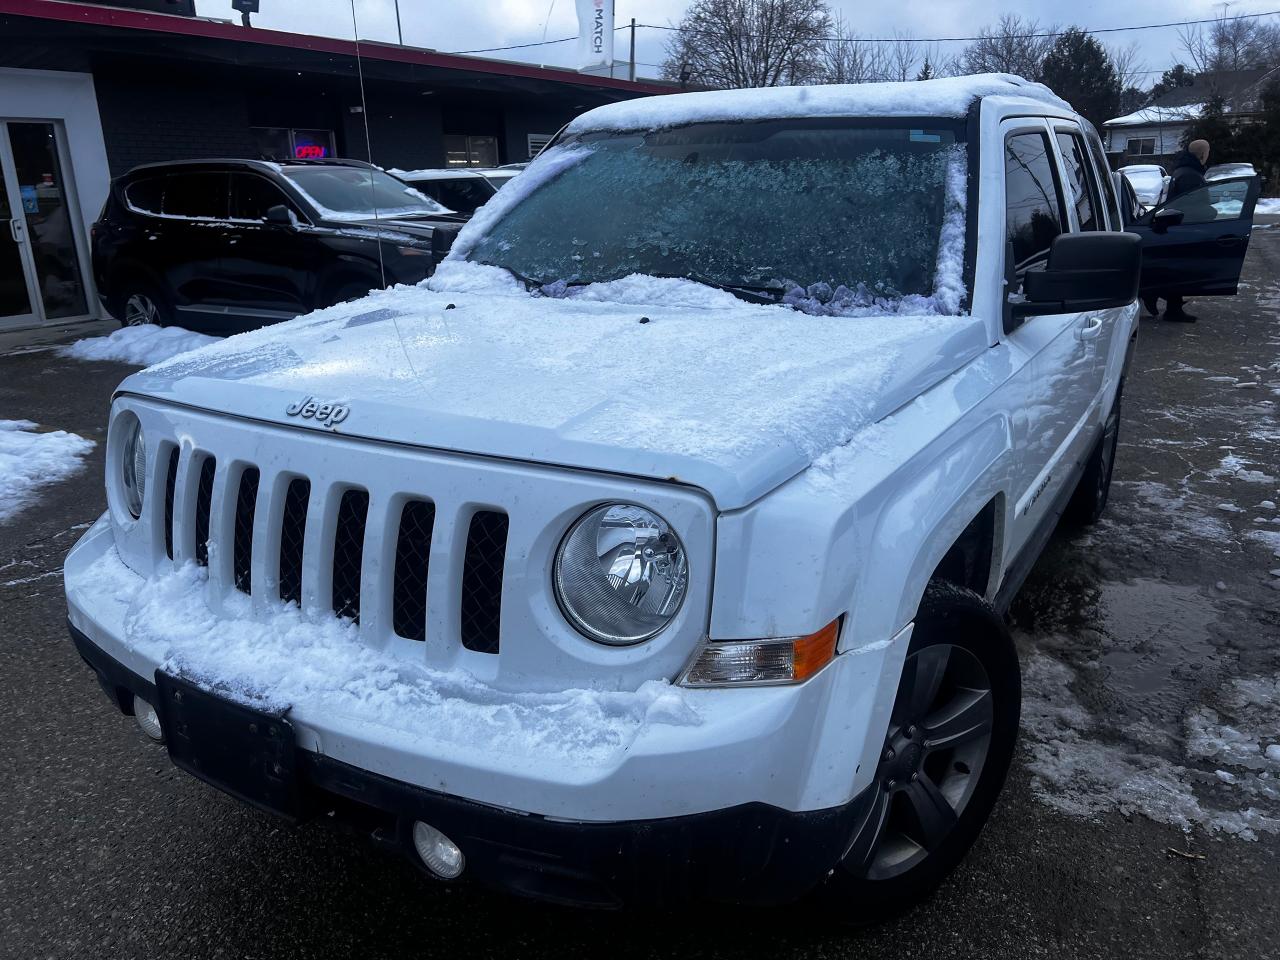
467 151
1033 213
537 141
288 143
1080 179
202 195
1141 146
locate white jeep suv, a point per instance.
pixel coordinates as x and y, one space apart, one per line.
655 547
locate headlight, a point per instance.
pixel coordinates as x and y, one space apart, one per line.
621 574
133 464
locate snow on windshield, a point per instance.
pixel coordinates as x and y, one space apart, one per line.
830 217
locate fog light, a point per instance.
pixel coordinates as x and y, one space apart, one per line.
440 854
147 719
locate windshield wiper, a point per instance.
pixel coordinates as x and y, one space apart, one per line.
764 293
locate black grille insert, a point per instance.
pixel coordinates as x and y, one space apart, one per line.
348 553
204 499
293 529
482 581
170 489
242 547
413 555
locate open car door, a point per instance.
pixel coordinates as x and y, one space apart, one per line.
1194 245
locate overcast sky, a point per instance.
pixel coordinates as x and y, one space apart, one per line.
455 25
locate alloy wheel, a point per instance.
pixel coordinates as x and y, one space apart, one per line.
938 741
140 309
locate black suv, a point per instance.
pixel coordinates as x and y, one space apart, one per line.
227 245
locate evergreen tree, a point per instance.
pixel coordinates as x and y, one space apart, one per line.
1173 78
1078 69
1213 125
926 71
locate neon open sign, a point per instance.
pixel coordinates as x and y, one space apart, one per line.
309 151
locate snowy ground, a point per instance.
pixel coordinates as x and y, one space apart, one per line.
31 458
1268 205
1139 698
142 345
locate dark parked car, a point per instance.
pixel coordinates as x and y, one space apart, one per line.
1194 244
227 245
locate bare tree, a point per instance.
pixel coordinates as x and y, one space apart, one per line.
901 57
1013 45
845 58
1231 43
749 43
1129 66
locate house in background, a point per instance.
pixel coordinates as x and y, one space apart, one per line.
1154 134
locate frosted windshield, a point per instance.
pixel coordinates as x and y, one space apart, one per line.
792 207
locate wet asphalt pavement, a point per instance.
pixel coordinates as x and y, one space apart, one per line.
1152 654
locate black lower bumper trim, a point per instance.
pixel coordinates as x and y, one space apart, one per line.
752 853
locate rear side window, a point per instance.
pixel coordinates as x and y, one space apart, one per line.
144 195
1033 214
252 197
202 195
1104 171
1081 187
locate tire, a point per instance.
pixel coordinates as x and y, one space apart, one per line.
1094 486
141 303
947 752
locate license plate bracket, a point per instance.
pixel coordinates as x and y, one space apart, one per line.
247 752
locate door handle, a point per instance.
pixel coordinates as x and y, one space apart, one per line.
1090 329
15 230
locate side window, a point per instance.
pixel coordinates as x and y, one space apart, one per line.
201 195
144 195
1217 201
253 196
1081 187
1033 216
1104 171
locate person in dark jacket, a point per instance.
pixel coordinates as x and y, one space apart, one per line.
1188 175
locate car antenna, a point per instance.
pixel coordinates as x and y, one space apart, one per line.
373 192
368 143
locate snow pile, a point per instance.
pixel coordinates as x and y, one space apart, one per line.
1268 205
142 345
1079 772
30 460
943 97
321 668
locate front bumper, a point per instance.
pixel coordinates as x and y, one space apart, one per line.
750 853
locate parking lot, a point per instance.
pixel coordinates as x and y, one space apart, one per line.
1141 819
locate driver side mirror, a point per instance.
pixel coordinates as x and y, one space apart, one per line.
1085 271
1162 220
279 216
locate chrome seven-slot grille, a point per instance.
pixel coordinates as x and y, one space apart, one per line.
480 603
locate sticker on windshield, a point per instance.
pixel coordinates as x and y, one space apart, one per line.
919 136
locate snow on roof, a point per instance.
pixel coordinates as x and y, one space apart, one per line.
944 97
1150 116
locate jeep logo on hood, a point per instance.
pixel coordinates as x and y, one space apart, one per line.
328 415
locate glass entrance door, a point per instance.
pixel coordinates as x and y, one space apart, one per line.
17 271
30 150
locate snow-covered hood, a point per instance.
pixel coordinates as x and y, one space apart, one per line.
663 379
